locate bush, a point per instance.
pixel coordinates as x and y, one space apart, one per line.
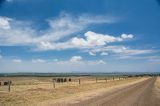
61 80
69 79
65 80
58 80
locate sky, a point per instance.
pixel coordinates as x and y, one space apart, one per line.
79 36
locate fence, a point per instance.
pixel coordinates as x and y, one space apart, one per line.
6 83
83 80
57 82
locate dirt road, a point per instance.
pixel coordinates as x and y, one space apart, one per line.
139 94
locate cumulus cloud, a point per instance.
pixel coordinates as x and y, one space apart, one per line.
53 66
96 62
45 45
38 61
96 39
104 53
15 32
55 60
125 36
76 59
120 51
91 40
20 33
5 23
92 53
17 60
137 52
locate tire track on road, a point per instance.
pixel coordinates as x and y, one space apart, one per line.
134 95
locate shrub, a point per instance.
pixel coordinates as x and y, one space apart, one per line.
69 79
65 80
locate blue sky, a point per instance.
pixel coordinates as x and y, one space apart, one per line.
79 36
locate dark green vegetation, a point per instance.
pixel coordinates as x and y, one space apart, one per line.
116 74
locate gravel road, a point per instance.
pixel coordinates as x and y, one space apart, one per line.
139 94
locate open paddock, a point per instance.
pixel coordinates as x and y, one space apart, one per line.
32 90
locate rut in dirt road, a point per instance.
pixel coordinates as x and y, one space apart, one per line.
139 94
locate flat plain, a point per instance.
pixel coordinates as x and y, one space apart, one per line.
39 91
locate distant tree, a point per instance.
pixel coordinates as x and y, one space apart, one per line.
61 80
58 80
69 79
7 82
65 80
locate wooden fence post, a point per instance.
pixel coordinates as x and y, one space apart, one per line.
106 79
96 80
79 81
113 78
9 86
54 85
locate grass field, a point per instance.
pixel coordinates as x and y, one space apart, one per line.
33 90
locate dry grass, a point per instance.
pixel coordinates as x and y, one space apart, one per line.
32 90
156 88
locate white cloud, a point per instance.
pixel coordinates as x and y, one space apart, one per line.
79 42
17 60
15 32
104 53
38 61
96 62
45 45
92 53
96 39
4 23
120 51
51 66
137 52
125 36
75 59
78 60
42 46
86 18
96 43
55 60
91 40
